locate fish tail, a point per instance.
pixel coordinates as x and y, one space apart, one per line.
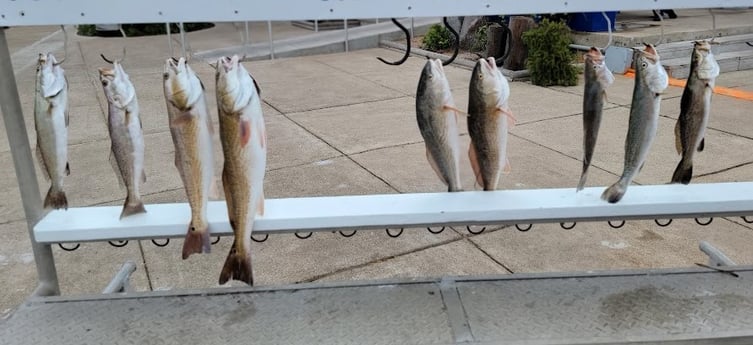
55 199
196 242
131 208
683 173
583 176
237 266
615 192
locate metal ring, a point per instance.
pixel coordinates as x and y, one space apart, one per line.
622 223
394 236
468 227
301 236
704 224
69 249
746 220
348 235
562 225
119 245
167 241
663 225
521 229
435 232
218 240
266 236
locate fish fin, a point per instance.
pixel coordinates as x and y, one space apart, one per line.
67 169
475 164
511 120
614 193
701 145
256 85
237 266
683 173
456 110
678 138
179 120
508 168
434 165
55 199
642 165
196 242
583 177
228 198
245 131
131 208
260 204
42 164
214 190
116 169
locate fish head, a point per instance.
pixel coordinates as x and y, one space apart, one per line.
182 87
117 85
433 79
596 68
235 86
703 62
648 67
487 80
51 75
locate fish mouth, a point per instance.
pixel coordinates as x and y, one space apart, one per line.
595 55
436 67
229 63
488 65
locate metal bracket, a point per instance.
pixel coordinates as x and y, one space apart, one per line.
716 257
120 282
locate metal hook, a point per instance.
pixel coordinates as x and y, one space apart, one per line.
119 244
468 227
167 241
508 42
713 25
609 29
622 223
266 236
521 229
65 47
704 224
407 46
118 60
457 42
348 235
746 220
217 240
69 249
301 236
664 224
394 236
435 232
661 26
562 225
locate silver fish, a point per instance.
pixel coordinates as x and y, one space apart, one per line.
488 122
437 120
695 107
191 130
650 81
244 143
597 78
126 136
51 123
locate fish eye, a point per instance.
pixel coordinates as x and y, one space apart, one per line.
105 82
644 64
596 66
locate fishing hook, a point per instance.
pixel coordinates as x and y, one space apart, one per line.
120 244
302 236
435 232
749 44
562 225
167 241
706 223
661 27
245 38
663 224
713 25
65 47
218 240
69 249
521 229
622 222
407 46
508 42
609 29
348 235
266 236
394 236
457 42
468 227
120 61
746 220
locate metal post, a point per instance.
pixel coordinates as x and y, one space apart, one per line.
316 26
716 256
345 25
411 28
169 38
119 282
182 40
271 42
18 141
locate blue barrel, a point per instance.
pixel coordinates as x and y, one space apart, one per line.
590 21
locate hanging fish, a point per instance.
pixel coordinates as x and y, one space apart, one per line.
127 150
191 130
438 123
597 78
51 123
244 143
488 122
650 81
695 107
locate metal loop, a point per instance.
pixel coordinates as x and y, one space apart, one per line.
394 236
301 236
746 220
468 227
266 236
348 235
167 241
704 224
663 225
69 249
119 244
562 225
521 229
435 232
622 223
217 240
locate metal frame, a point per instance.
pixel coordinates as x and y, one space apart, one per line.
56 12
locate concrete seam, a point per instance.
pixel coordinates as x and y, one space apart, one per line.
456 314
146 267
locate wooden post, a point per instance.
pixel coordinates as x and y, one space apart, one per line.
496 40
516 60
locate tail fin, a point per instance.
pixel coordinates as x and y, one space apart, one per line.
131 208
55 199
615 192
683 173
237 266
583 176
196 242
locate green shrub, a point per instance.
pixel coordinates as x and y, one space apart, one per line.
549 56
479 39
133 30
438 38
86 30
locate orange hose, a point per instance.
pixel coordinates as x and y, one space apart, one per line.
719 90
